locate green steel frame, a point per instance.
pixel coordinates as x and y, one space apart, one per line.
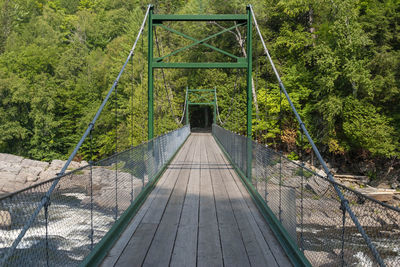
202 95
295 255
100 251
156 20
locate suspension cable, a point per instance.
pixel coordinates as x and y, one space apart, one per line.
142 97
46 198
184 108
163 75
230 106
371 246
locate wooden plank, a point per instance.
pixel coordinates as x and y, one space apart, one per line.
157 208
138 245
185 248
233 249
160 251
257 249
131 253
120 245
273 244
209 244
199 214
275 247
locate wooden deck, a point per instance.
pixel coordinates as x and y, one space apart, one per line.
199 214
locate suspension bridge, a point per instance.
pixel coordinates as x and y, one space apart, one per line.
196 199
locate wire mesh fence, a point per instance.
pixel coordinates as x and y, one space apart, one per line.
310 210
83 207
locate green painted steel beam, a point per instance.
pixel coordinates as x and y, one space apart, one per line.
201 90
187 106
102 248
201 43
202 98
249 145
206 104
289 246
222 17
206 65
150 93
215 106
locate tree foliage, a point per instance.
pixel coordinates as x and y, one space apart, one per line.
339 60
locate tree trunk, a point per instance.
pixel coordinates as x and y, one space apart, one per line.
310 25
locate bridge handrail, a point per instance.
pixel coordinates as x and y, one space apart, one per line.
316 151
46 198
87 191
302 208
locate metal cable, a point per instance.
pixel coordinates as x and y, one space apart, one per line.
75 151
316 151
230 106
132 125
301 196
280 156
116 152
184 108
91 188
343 208
163 75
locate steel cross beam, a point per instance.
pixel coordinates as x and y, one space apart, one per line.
210 93
241 62
196 42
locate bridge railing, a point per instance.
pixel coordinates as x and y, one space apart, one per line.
83 207
306 204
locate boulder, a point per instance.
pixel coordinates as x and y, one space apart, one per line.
48 174
21 179
31 174
317 185
4 166
10 158
5 219
6 177
34 163
10 168
8 186
57 164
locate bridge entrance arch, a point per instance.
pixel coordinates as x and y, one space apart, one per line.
200 109
236 62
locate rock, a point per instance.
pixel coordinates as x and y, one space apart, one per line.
395 185
10 158
10 168
383 185
83 163
4 166
57 164
9 186
317 184
34 163
321 258
381 196
22 179
48 174
7 177
321 173
5 219
31 174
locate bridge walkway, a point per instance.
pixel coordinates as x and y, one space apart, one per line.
199 214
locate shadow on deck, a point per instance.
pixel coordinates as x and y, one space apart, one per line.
199 214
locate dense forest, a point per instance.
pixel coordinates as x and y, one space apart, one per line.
339 60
